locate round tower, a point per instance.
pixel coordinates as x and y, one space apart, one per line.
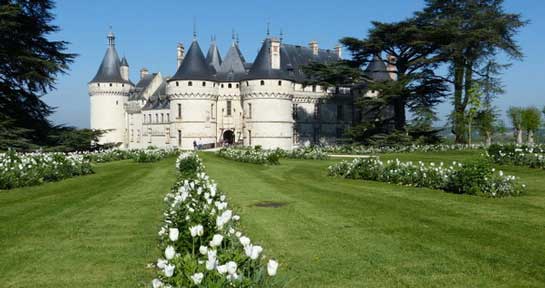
109 91
192 92
267 94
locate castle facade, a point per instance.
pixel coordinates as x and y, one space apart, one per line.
215 101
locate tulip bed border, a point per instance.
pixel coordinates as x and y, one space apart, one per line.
201 239
475 178
525 156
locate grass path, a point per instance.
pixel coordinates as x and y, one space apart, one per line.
351 233
90 231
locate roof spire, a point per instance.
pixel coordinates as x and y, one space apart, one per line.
194 28
268 29
281 35
233 35
237 39
111 37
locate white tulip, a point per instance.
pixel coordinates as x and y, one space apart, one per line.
244 241
170 252
196 230
256 250
203 250
222 269
211 264
161 263
169 270
272 266
173 234
232 277
197 278
231 267
216 240
156 283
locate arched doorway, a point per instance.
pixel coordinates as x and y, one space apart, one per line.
229 137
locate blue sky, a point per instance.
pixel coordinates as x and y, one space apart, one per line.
148 31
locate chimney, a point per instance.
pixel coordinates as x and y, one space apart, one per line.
314 46
275 53
143 73
392 68
180 54
339 51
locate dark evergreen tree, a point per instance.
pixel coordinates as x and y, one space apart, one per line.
472 33
29 63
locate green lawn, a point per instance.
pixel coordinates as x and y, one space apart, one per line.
91 231
352 233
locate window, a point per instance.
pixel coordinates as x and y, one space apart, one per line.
122 85
228 107
295 111
177 84
203 84
116 102
247 83
237 85
138 136
221 85
162 118
167 135
317 111
132 135
279 83
340 113
168 117
189 83
316 135
212 111
111 85
249 137
179 111
262 83
313 88
149 135
156 118
229 85
339 133
98 84
179 138
249 110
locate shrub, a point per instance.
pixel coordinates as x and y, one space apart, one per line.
475 178
26 169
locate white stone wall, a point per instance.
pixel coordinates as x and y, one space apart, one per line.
108 111
196 122
271 122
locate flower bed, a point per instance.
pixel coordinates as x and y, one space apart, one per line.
476 178
138 155
151 155
26 169
359 149
256 156
201 239
311 153
529 156
109 155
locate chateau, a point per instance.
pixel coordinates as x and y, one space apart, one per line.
215 101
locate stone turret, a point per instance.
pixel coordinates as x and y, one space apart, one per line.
109 91
193 93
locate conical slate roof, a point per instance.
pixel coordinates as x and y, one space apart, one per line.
232 68
262 69
376 70
124 62
109 70
213 58
193 66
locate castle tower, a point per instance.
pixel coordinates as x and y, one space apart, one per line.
193 94
267 94
231 114
109 91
